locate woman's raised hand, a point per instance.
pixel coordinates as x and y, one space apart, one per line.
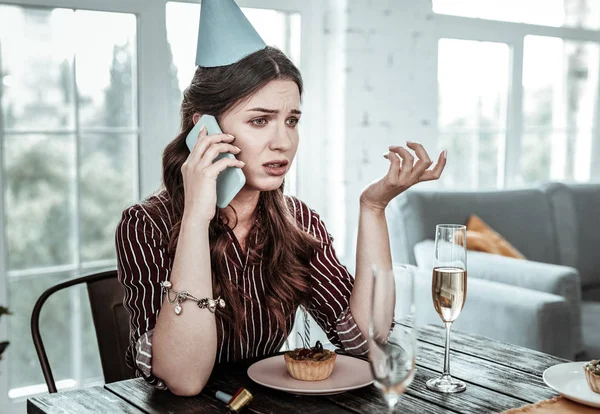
200 173
404 172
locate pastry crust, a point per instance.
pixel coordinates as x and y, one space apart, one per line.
310 370
592 375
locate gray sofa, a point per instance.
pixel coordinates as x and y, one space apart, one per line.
550 302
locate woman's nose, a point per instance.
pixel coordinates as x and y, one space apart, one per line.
281 140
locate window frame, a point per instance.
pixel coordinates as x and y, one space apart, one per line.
154 122
513 34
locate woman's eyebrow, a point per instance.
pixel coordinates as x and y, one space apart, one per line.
273 111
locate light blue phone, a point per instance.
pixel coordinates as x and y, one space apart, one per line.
231 180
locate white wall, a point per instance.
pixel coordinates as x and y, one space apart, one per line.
387 94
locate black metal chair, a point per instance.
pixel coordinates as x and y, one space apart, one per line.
111 322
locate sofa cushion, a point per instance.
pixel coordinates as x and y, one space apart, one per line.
482 238
564 222
586 198
559 280
590 314
523 217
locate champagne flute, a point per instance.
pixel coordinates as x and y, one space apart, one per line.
392 332
449 292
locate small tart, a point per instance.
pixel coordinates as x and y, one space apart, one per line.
592 375
310 364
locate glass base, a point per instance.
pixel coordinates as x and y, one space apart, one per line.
446 384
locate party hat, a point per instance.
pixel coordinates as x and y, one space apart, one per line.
225 35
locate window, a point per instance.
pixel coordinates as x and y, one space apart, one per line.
560 86
569 13
472 85
518 103
277 28
69 133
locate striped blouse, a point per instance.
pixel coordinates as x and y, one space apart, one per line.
143 263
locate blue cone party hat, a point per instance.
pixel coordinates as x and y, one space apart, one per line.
225 35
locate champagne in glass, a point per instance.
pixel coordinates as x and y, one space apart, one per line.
449 292
392 333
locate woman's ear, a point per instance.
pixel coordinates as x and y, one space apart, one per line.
196 117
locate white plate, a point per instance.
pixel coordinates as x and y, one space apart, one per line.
569 381
348 374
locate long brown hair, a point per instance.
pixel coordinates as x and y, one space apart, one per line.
276 237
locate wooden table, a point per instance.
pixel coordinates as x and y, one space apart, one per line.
499 377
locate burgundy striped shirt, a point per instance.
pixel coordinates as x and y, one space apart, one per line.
143 262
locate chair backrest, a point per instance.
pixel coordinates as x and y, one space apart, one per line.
111 323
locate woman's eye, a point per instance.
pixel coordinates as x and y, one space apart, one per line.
293 121
259 121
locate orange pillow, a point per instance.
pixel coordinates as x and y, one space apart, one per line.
482 238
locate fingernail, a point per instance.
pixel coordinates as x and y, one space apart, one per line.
243 163
386 155
229 135
203 129
237 148
409 142
445 153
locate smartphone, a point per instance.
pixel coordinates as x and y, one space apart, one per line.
231 180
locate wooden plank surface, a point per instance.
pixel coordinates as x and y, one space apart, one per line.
150 400
364 400
499 377
514 356
229 378
370 400
475 399
83 400
487 374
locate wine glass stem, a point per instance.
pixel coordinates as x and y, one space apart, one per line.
447 350
392 400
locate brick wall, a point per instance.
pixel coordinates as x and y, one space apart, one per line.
383 92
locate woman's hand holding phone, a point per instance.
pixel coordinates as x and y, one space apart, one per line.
200 173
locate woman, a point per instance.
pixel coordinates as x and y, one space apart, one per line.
265 254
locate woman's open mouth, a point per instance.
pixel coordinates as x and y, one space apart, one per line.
276 168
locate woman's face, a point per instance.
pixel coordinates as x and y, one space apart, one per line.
265 127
